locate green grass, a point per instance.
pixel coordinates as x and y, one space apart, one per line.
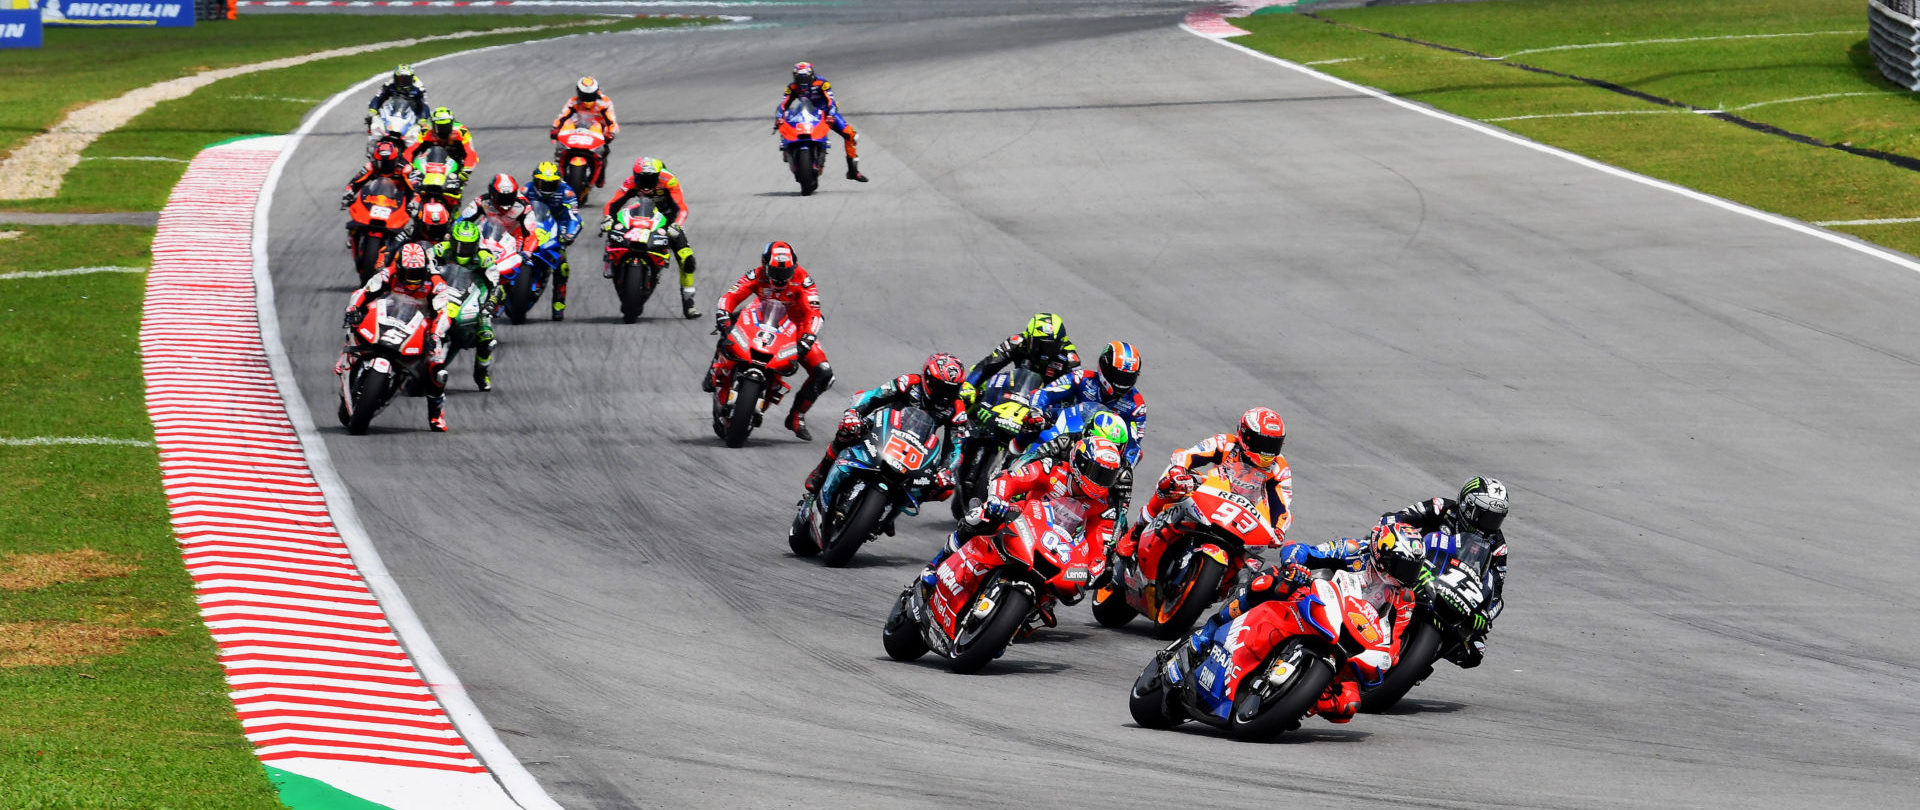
150 726
178 129
1767 172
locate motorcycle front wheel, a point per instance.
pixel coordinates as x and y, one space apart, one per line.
746 399
1151 699
371 389
1195 593
1262 714
901 635
984 638
862 519
1417 653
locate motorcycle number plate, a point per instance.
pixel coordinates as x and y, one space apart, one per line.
381 364
905 453
380 211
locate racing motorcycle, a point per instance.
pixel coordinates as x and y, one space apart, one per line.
638 251
995 587
387 358
1002 414
395 122
376 215
437 177
763 348
540 255
803 142
580 150
469 296
1462 563
1172 583
872 484
1261 674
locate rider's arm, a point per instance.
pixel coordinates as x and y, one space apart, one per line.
1021 481
994 361
464 137
1208 451
1056 395
672 185
619 198
613 123
1426 515
1499 574
810 319
1280 499
747 286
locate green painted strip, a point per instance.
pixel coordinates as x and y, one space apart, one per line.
307 793
238 138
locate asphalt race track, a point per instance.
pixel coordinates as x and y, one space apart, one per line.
1707 421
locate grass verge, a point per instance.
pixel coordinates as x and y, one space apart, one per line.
1801 65
114 696
272 102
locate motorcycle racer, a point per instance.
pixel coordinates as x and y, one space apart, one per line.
404 84
588 98
1112 387
411 273
651 179
1105 425
386 162
443 131
1258 442
780 278
807 85
936 390
504 199
1481 507
1042 347
545 188
464 250
1087 476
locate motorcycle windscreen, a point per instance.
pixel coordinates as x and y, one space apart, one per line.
497 236
584 120
396 116
803 117
384 188
909 441
638 213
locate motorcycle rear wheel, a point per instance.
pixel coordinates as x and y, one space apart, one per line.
1197 594
372 390
1417 653
630 279
862 519
520 295
580 178
901 635
1114 610
804 170
1010 609
740 415
366 256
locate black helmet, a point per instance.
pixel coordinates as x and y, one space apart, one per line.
1483 504
1119 367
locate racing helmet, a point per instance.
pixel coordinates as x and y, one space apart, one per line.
779 261
413 265
442 120
1483 504
1045 335
466 240
386 157
403 76
1399 552
587 89
940 379
546 177
504 191
803 73
434 219
1108 425
1262 433
1119 368
1095 467
646 172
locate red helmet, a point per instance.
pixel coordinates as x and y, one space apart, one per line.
1262 432
435 220
503 191
385 155
779 262
940 379
802 72
1095 467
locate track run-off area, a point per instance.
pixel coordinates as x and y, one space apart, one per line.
1705 417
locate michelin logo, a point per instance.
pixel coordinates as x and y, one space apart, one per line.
54 12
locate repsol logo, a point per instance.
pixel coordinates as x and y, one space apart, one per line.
145 10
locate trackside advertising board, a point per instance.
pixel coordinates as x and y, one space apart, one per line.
19 23
174 13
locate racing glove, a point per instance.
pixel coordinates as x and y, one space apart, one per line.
851 425
806 342
943 484
995 509
606 225
346 200
1177 482
968 393
352 317
722 321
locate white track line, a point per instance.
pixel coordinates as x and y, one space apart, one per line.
147 158
71 271
1820 97
1839 222
1584 114
62 441
1674 40
1728 205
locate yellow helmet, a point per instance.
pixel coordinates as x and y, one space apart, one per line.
546 176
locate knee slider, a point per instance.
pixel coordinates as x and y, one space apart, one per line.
825 376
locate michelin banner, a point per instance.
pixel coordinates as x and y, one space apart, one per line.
19 23
81 13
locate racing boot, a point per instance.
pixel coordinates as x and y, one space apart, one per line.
687 308
927 575
341 365
797 422
437 413
483 364
1340 702
606 269
853 169
819 474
